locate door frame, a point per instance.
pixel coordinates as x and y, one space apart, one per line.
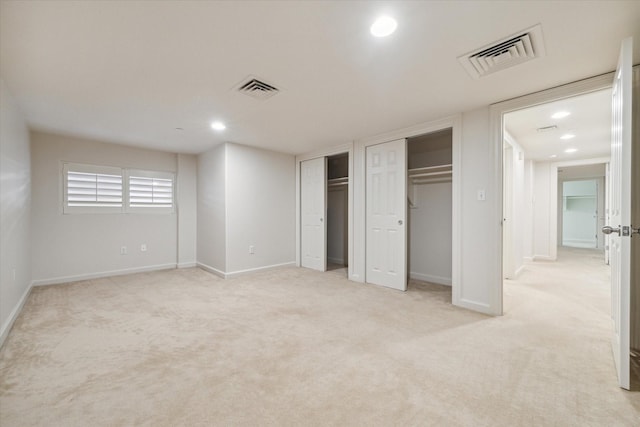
326 152
453 122
496 134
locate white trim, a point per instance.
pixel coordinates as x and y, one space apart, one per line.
496 134
79 277
439 280
518 271
238 273
593 161
187 264
6 328
259 269
544 258
416 130
212 270
581 243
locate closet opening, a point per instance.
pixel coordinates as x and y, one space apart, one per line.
430 202
337 212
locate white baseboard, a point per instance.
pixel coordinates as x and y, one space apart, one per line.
430 278
6 328
76 278
518 271
257 269
237 273
187 264
543 258
210 269
527 259
589 244
339 261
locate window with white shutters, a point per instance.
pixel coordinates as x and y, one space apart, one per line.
103 189
150 191
92 189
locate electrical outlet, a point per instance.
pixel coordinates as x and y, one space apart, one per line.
143 247
252 250
123 250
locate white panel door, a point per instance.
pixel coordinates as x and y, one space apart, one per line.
313 189
620 212
386 194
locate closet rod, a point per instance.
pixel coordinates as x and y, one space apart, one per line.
337 184
431 181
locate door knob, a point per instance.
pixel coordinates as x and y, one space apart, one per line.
320 219
607 229
399 222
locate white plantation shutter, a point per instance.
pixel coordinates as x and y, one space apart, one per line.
104 189
92 189
150 191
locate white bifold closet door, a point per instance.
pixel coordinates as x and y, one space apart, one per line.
313 189
620 213
386 194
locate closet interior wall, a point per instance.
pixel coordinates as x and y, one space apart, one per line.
337 210
430 207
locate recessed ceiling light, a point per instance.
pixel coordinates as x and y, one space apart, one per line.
567 136
383 26
560 115
553 156
570 150
218 126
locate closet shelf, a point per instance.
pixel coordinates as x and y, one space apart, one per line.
431 174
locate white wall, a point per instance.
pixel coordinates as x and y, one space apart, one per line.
15 205
480 231
260 205
186 188
68 247
430 228
211 214
337 224
545 190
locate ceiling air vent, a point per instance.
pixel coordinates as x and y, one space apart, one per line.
257 89
508 52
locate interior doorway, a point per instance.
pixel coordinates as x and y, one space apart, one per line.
324 212
554 179
338 213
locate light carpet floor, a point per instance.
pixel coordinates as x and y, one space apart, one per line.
298 347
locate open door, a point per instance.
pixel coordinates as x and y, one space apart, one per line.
313 189
386 195
619 229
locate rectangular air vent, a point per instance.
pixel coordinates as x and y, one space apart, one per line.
257 89
508 52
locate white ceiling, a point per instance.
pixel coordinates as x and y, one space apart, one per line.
131 72
589 121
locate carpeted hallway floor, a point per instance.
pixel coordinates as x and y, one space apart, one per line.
296 347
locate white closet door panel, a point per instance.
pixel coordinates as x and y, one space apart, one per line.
386 193
313 188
